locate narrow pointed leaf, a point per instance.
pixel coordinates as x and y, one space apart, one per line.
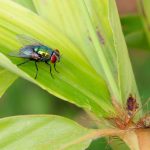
126 80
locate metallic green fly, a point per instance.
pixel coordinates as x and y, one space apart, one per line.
32 50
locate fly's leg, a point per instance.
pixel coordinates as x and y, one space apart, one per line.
55 67
36 66
50 69
23 63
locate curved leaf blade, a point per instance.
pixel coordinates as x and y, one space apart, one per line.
77 81
80 23
94 27
48 132
42 132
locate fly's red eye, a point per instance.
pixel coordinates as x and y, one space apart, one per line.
53 58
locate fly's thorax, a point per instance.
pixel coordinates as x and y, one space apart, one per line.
42 51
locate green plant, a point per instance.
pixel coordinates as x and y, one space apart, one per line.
95 73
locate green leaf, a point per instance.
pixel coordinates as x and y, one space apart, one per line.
95 28
6 79
86 24
48 132
126 80
137 40
42 132
144 7
131 23
133 30
92 45
77 81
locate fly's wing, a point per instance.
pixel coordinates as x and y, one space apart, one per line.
28 46
29 41
26 40
25 52
20 55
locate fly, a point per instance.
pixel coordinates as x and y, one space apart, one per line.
32 50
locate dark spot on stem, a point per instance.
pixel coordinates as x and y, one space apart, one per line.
131 105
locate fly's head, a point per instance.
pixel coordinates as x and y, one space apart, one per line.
55 57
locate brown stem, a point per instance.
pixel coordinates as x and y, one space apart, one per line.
138 139
143 136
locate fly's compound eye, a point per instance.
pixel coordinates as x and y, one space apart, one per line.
57 54
53 58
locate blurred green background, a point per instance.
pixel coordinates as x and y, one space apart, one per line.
23 97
